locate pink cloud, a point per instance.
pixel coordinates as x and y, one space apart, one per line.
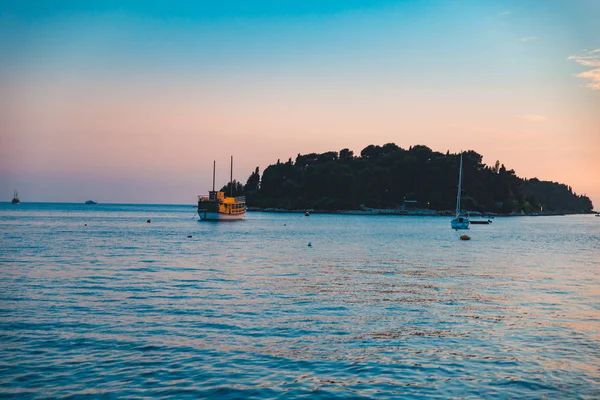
591 59
594 76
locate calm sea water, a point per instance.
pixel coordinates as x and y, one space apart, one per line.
377 307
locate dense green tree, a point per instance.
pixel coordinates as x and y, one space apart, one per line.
253 182
234 188
384 176
346 154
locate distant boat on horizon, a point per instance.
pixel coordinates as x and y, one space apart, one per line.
16 199
217 207
459 222
90 202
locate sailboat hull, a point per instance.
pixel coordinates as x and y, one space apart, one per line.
460 223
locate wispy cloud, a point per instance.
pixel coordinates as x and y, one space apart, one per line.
528 38
590 59
534 117
594 76
587 61
503 13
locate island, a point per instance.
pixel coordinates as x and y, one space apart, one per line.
392 178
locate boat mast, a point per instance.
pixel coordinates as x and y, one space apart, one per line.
214 165
459 186
231 179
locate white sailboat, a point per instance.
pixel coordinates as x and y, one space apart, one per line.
459 222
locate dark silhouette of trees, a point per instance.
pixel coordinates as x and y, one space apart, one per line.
386 176
496 167
253 182
234 188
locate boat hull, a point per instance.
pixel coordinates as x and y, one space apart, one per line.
460 223
216 216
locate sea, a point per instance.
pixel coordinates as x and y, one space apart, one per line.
97 302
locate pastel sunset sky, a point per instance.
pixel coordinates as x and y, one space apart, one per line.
131 101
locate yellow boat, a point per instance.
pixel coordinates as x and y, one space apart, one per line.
217 207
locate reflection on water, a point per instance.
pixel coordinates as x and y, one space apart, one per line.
378 306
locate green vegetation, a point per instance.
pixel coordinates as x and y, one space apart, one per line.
385 176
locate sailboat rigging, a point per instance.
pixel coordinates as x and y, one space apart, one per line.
459 222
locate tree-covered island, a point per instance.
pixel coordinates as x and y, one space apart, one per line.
390 177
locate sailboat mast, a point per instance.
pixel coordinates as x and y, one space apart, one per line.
231 179
459 186
214 165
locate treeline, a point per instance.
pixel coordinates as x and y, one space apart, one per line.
385 176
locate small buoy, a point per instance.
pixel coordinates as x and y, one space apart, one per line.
309 244
84 224
284 225
148 221
465 237
189 236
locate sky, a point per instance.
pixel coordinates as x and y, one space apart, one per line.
131 101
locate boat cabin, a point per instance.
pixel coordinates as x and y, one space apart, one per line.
216 201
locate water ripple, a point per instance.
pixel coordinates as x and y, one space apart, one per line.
377 307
